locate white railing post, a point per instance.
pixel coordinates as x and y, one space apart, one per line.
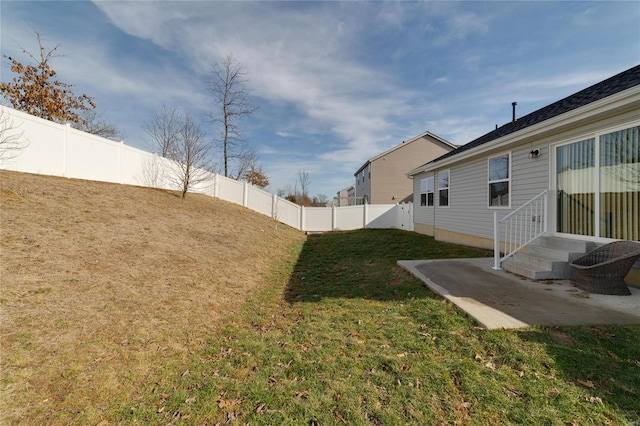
496 241
545 213
521 227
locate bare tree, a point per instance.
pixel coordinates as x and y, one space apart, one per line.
12 139
244 159
163 129
305 181
228 88
153 172
92 122
320 200
191 155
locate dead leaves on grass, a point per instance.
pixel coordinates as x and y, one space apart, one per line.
587 384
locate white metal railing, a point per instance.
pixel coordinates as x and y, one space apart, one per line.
521 226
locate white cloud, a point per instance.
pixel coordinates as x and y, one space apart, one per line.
293 57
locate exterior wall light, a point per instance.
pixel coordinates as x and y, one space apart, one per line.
535 153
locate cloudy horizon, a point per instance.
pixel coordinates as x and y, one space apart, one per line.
336 83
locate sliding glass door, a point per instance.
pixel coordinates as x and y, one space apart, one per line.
575 172
620 184
598 186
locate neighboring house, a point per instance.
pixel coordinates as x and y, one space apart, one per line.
578 157
382 179
347 197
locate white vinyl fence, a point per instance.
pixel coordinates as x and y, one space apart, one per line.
59 150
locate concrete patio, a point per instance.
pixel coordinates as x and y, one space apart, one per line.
497 299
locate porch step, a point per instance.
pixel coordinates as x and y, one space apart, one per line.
547 258
567 244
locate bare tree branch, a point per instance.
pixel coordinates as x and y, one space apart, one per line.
163 128
191 155
96 125
228 88
12 139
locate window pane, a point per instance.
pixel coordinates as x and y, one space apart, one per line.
575 168
443 179
499 167
444 197
423 185
499 194
620 184
430 199
423 199
430 183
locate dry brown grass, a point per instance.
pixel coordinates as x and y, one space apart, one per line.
105 285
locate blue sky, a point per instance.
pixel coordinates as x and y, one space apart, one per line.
336 82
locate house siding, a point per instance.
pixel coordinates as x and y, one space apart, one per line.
468 219
363 184
388 182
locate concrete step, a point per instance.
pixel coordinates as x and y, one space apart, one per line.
547 258
537 260
554 253
534 273
577 246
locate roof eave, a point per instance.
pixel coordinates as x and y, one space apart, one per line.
619 99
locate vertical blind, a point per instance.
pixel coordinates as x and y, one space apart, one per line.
620 184
575 170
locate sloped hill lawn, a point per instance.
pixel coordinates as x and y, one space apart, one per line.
125 305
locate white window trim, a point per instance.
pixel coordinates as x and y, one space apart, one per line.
508 180
447 188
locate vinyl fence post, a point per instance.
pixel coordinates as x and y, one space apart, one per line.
120 145
274 202
333 218
365 215
65 151
216 186
245 194
302 218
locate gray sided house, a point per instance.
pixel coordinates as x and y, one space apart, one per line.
382 179
346 196
570 171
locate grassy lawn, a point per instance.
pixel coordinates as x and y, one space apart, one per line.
341 335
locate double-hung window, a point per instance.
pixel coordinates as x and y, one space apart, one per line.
443 188
499 180
426 191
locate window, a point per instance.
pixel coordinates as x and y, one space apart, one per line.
499 181
443 188
426 191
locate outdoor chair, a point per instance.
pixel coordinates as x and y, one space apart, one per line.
602 270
